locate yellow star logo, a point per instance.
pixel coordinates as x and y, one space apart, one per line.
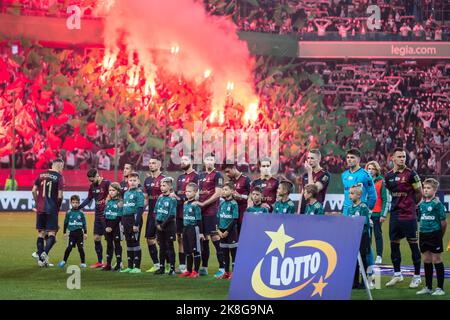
318 287
279 240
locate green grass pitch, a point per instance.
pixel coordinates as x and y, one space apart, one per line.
21 278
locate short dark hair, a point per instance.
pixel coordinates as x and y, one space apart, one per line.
230 185
229 166
354 152
288 185
92 173
133 174
265 159
257 189
398 149
75 197
57 160
209 154
316 152
130 164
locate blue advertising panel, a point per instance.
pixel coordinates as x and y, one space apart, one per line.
296 257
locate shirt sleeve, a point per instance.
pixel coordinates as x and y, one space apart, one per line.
291 208
415 180
173 207
66 219
325 179
61 183
441 212
140 200
83 218
198 213
371 192
384 199
36 182
218 180
235 211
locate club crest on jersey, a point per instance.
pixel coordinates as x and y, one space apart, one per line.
131 196
430 209
166 204
350 178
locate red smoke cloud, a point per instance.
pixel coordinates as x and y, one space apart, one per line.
199 42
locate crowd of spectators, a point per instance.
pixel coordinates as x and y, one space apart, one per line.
392 103
388 103
310 19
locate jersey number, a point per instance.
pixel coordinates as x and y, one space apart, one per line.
49 188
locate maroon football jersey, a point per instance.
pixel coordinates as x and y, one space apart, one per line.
402 185
269 189
207 186
49 183
182 181
99 192
152 187
321 176
242 186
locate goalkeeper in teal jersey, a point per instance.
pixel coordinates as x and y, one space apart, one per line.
113 214
313 206
133 207
166 211
256 197
228 218
75 222
359 208
192 232
432 228
284 205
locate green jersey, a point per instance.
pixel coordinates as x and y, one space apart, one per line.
165 207
228 211
257 209
431 213
75 220
191 214
314 209
132 200
113 209
284 207
363 211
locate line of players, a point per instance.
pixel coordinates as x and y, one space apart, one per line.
403 183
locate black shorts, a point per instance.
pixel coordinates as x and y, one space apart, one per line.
128 224
47 222
180 225
115 233
402 229
75 238
99 225
168 233
191 239
231 241
150 227
431 241
209 225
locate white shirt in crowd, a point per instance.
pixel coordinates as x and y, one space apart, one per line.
70 159
104 162
418 29
438 34
404 30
